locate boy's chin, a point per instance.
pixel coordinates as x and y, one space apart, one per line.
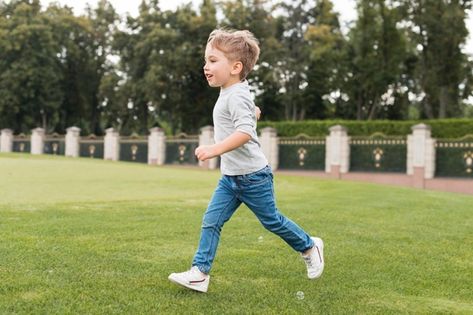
213 84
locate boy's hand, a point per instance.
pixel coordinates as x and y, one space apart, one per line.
258 112
205 152
233 141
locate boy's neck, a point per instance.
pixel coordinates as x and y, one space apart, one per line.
231 82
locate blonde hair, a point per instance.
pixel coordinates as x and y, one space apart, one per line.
237 46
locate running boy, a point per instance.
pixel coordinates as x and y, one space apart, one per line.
246 176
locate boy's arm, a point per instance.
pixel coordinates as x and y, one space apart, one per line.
243 121
233 141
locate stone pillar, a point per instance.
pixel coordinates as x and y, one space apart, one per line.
337 151
6 140
37 141
156 147
269 144
206 137
72 142
111 145
420 155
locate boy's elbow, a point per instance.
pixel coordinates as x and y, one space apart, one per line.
245 136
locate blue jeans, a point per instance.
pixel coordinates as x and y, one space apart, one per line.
256 190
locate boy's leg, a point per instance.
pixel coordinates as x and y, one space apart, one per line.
223 204
258 194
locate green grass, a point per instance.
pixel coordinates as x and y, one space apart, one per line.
93 237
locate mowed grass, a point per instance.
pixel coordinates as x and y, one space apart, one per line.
80 236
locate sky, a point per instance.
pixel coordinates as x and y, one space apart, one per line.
346 8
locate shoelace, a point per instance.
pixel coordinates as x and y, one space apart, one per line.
308 260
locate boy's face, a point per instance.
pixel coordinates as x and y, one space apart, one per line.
219 70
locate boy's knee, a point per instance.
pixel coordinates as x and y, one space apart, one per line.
273 225
212 225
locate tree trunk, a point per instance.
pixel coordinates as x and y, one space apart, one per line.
426 103
19 122
302 114
95 110
359 108
373 110
287 111
144 122
428 108
443 102
44 122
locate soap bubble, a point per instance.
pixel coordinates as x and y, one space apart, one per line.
300 295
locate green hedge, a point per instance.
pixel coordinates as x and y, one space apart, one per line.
441 128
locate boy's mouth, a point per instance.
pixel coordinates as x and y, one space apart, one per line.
208 76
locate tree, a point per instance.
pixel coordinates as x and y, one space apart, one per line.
377 54
52 65
256 16
402 59
292 67
30 77
103 21
76 56
326 62
438 32
162 57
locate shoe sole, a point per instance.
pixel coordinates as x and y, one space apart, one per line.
187 285
319 243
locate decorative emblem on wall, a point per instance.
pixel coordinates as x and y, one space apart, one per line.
91 150
134 150
182 150
468 158
302 152
55 147
378 156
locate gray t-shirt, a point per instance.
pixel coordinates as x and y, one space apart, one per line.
235 111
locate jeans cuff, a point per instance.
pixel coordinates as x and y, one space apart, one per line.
201 269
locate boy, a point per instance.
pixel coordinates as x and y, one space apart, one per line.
246 176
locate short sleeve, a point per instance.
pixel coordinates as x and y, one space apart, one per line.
242 113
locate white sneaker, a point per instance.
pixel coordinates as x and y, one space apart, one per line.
192 279
315 260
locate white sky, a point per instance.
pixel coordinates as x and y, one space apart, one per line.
346 8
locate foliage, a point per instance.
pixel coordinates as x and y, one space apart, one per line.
376 53
162 58
30 73
438 31
101 70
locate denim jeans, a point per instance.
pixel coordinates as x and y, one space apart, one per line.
256 190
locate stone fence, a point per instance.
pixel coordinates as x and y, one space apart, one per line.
419 155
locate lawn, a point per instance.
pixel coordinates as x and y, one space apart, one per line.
84 236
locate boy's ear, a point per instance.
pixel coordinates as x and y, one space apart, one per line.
237 67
